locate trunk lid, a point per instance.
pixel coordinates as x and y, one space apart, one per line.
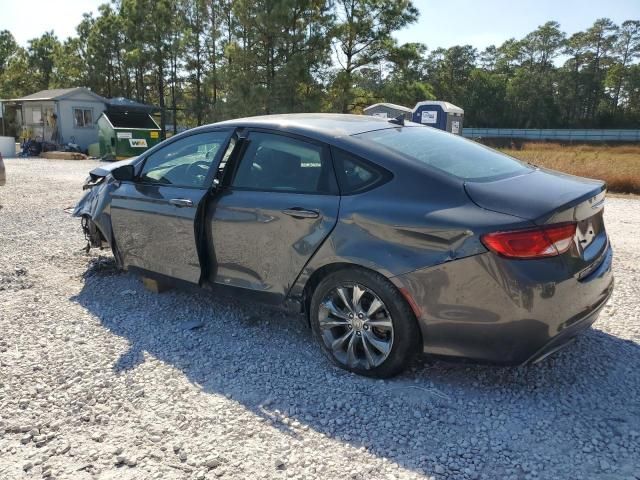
536 196
548 197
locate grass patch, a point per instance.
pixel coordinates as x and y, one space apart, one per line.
619 166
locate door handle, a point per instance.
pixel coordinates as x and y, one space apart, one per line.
181 202
297 212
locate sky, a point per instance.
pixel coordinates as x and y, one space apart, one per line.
481 23
442 23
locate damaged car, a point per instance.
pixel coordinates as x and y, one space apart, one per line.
392 238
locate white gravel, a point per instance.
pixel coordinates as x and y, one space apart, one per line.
101 379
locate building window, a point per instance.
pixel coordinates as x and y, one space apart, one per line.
82 117
36 116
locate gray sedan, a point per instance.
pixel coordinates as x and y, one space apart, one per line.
390 238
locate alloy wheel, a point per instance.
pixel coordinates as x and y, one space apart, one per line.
356 326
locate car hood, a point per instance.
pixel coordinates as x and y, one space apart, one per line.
536 196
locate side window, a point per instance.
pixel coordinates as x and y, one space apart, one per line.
185 162
355 175
277 163
82 117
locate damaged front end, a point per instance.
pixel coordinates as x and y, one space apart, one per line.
94 208
94 211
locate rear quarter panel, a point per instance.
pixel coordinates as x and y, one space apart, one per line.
413 221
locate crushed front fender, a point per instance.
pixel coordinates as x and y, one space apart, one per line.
95 204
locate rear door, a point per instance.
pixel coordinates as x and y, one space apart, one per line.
154 217
279 202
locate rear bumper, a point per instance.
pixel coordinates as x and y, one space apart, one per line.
491 309
567 336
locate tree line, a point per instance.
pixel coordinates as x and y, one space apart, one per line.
203 61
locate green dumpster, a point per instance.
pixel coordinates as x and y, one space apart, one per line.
126 134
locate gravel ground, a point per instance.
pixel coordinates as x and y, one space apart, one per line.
101 379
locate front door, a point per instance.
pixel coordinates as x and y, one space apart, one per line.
153 217
279 206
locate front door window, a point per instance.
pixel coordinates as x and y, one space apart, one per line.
185 162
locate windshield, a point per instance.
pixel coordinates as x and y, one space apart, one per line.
449 153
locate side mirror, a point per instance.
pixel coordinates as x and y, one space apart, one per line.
125 172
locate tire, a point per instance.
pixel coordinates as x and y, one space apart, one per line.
384 342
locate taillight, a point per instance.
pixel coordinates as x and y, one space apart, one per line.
544 241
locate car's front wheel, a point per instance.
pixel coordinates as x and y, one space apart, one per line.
363 323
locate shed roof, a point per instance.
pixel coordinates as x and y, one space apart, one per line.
57 94
446 106
389 105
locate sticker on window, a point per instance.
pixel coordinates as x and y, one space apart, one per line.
138 142
429 117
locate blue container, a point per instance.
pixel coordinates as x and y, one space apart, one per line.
441 115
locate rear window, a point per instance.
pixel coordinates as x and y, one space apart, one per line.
449 153
355 175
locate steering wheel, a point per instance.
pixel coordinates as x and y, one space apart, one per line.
198 169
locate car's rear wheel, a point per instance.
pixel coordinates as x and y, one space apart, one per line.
363 323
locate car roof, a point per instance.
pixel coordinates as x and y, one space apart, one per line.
336 129
320 126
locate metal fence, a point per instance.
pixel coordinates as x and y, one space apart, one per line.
571 135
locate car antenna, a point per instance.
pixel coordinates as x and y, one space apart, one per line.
399 120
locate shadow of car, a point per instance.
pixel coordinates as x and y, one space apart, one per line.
264 360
